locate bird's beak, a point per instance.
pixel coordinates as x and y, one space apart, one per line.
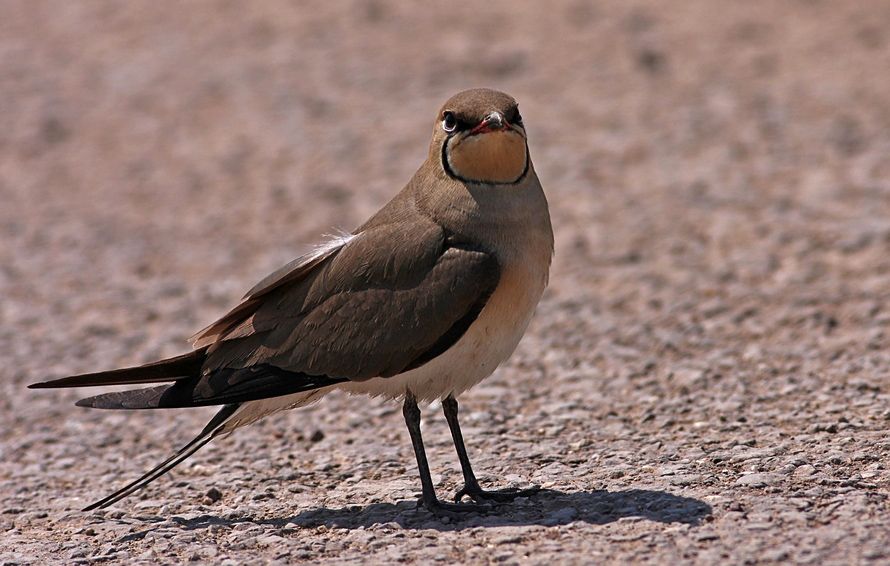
491 123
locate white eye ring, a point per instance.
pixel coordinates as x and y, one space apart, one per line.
449 122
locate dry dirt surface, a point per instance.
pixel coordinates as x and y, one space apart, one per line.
706 379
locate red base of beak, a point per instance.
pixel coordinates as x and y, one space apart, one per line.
486 126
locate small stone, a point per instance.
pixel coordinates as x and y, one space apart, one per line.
317 436
270 540
213 494
706 535
758 480
804 471
560 517
776 555
685 479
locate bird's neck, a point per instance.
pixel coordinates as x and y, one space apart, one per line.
509 220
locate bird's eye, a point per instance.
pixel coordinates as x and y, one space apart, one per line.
449 122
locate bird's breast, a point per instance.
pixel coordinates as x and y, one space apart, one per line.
487 343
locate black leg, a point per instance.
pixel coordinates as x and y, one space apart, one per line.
429 499
471 485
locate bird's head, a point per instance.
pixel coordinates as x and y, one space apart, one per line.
479 137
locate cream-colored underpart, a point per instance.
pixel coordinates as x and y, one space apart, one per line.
487 343
492 157
252 411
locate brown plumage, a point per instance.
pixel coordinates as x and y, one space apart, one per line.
422 301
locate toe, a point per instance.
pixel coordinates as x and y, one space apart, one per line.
455 510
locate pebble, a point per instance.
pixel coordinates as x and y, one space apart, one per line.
213 495
685 479
759 480
317 436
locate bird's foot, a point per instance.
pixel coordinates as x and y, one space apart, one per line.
453 510
506 495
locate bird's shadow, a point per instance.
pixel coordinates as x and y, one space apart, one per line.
547 508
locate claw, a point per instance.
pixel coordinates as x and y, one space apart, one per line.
499 495
460 494
454 510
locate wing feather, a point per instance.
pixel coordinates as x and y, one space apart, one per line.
390 299
294 271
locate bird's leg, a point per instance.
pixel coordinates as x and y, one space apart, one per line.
412 419
471 486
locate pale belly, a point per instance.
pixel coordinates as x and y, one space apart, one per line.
486 344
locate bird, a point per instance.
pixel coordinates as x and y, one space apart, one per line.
418 304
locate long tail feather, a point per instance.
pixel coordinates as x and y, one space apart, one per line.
170 369
209 432
218 387
148 398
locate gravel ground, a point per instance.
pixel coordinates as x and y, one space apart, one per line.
705 380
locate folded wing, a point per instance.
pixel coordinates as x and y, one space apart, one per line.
387 300
391 299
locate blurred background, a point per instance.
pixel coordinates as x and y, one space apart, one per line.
718 175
